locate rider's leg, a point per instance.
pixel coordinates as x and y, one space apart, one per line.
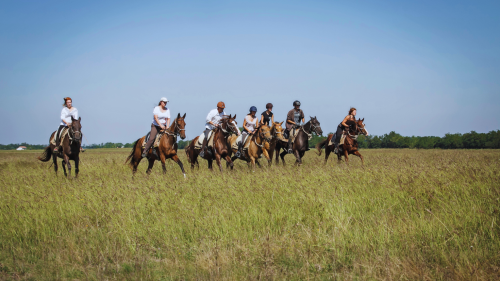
338 135
292 132
58 139
152 136
241 144
205 142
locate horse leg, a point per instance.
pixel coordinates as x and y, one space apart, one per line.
178 161
218 160
258 164
230 161
162 159
63 163
77 162
277 151
360 156
54 159
327 153
282 156
346 156
150 165
298 161
210 164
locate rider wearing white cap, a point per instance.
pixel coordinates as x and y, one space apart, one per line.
161 121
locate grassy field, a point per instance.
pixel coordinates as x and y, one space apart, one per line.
407 214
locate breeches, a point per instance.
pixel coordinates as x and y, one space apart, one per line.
152 136
338 134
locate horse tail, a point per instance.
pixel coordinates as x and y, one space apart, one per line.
188 149
320 145
134 147
46 155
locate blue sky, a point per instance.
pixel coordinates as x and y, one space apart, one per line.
414 67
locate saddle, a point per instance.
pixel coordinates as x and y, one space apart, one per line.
62 136
332 140
156 143
210 143
236 140
293 135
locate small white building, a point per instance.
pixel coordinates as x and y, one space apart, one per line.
21 148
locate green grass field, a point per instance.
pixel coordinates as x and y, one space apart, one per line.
407 214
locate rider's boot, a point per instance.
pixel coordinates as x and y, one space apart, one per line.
144 153
336 151
203 148
240 148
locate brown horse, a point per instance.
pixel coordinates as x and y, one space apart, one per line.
277 136
301 143
167 148
70 148
258 140
350 145
220 149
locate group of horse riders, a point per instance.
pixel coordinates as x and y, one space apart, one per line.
161 121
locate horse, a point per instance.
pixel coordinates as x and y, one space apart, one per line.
301 143
277 136
220 149
258 140
70 148
350 145
167 148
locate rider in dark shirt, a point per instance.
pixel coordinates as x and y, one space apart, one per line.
293 119
342 126
267 116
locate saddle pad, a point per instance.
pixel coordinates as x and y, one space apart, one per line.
63 134
156 143
199 143
342 139
332 140
234 144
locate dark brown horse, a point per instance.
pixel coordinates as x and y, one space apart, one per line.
301 143
220 149
70 148
167 149
350 145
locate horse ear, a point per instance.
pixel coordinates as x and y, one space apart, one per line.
79 118
178 115
234 116
281 122
184 116
363 119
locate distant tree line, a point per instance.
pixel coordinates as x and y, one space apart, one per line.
392 140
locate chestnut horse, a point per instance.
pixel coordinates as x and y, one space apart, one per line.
70 148
350 145
167 149
220 149
301 143
277 136
261 136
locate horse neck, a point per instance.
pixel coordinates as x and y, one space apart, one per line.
257 137
307 127
171 129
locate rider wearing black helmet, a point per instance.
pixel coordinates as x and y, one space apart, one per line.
293 119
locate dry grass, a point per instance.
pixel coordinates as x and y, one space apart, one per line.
408 214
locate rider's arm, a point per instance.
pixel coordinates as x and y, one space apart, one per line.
262 119
272 119
344 121
158 122
63 116
245 125
168 122
210 116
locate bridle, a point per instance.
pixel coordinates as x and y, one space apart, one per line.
177 130
276 133
72 135
262 136
312 128
226 131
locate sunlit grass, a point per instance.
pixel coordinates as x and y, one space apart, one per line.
407 214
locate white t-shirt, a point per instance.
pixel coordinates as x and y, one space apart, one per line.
162 116
66 115
251 124
214 116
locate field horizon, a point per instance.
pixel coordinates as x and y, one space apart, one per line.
406 214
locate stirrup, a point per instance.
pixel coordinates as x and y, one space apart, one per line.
202 153
290 151
144 154
56 149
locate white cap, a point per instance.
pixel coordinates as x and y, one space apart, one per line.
164 99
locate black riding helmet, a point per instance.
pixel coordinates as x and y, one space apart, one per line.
296 103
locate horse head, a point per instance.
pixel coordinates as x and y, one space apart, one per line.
76 129
228 124
361 127
315 126
180 125
277 131
265 132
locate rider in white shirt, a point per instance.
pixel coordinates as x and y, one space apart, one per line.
213 120
67 112
161 121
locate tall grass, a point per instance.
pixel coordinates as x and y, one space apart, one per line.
407 214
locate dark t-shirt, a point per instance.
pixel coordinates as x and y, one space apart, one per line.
267 117
291 116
